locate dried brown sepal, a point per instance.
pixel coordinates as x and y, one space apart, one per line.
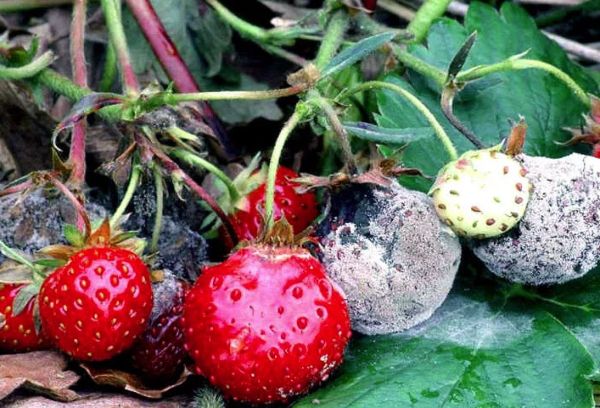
516 139
305 78
63 252
381 174
114 377
13 273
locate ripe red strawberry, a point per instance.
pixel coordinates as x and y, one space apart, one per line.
158 354
266 325
299 209
18 333
96 305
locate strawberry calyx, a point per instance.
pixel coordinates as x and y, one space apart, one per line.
102 236
22 271
589 132
381 174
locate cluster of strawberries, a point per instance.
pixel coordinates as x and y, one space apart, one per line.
263 326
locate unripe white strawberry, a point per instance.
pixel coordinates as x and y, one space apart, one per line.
482 194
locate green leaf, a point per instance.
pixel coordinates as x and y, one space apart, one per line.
15 255
480 349
356 52
547 105
378 134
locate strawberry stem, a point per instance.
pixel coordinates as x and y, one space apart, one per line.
10 6
83 220
77 50
287 129
517 64
110 71
338 129
413 100
27 70
334 35
234 95
198 161
134 180
446 102
423 19
112 14
158 217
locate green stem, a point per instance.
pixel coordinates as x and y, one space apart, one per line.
134 180
64 86
160 200
233 95
340 132
112 15
109 73
244 28
439 130
419 66
427 13
29 70
336 27
10 6
520 64
287 129
198 161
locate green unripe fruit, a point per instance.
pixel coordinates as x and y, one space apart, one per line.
482 194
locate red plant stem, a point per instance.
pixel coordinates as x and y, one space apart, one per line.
170 59
369 5
79 208
19 188
173 169
78 64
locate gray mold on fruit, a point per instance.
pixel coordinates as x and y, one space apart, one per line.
558 239
396 265
36 220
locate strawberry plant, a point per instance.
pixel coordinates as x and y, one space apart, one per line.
400 207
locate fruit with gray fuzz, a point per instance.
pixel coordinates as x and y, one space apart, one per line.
388 251
558 239
482 194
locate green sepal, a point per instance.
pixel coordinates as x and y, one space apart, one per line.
15 255
73 235
23 297
49 263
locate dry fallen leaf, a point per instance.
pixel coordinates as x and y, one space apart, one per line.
131 382
97 400
41 371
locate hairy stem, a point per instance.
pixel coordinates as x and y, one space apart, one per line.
109 73
204 164
340 132
447 102
79 68
83 220
28 70
175 171
520 64
419 65
334 35
244 28
234 95
287 129
134 181
160 199
413 100
427 13
112 14
10 6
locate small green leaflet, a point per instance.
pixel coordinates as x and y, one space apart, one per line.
377 134
356 52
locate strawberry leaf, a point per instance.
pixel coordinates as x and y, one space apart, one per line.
547 105
483 347
356 52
